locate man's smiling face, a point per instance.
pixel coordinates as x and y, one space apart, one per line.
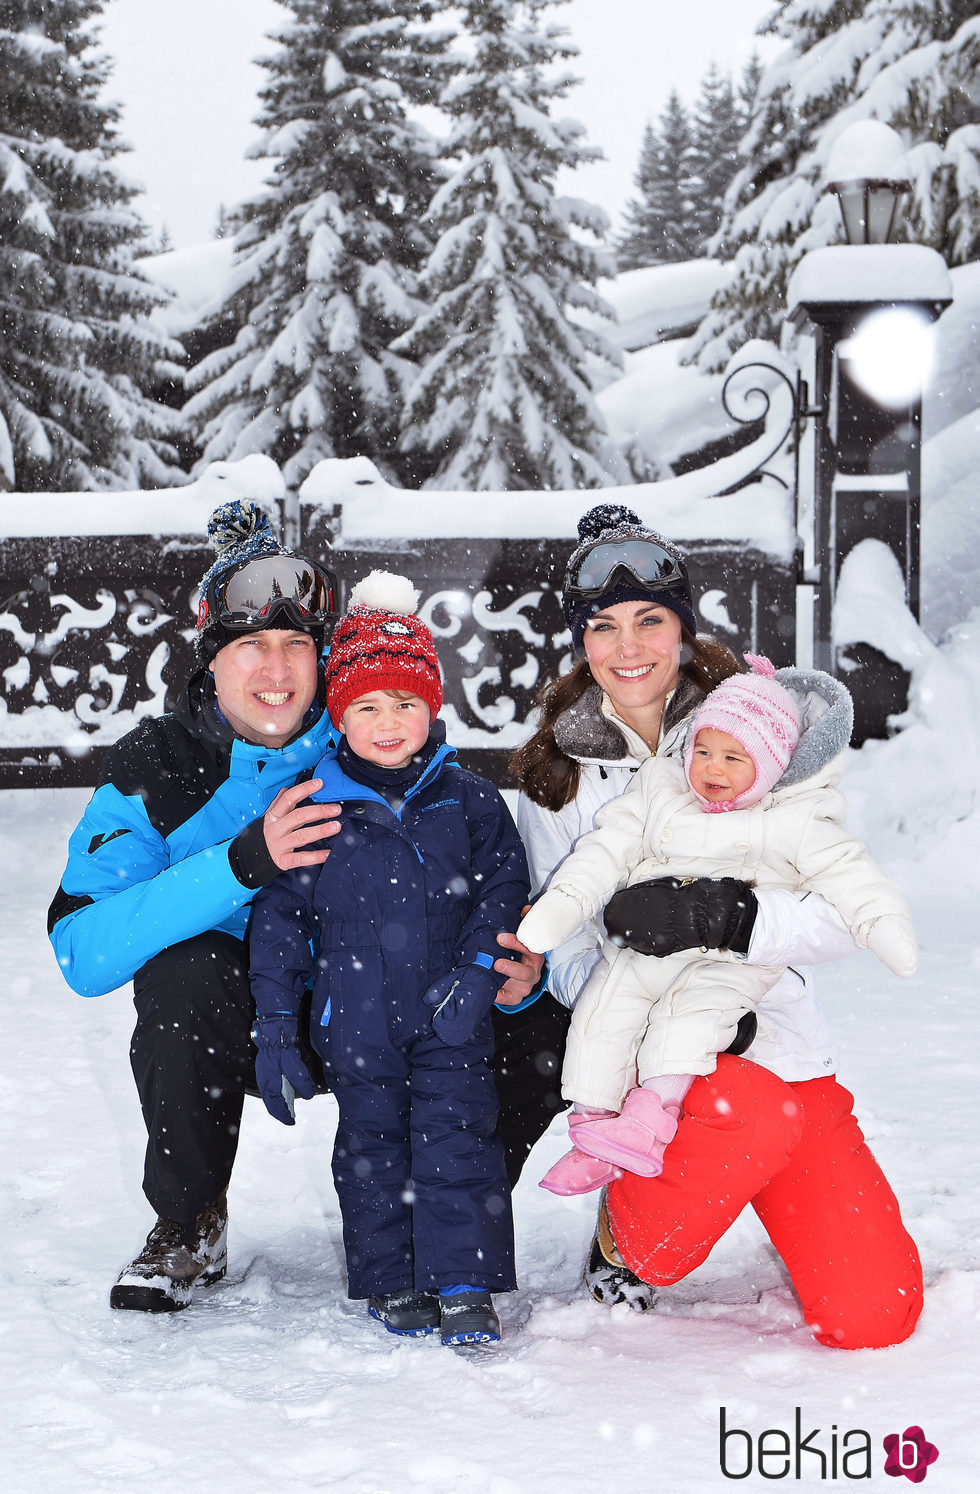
265 683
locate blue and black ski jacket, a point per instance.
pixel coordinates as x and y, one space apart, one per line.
157 856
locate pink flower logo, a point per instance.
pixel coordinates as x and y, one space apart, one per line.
909 1453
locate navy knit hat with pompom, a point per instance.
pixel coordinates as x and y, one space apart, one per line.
612 521
239 530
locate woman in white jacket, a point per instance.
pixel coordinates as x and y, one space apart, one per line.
773 1128
754 797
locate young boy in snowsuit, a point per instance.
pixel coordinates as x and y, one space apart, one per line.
398 932
753 797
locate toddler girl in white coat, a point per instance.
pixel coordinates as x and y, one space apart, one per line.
644 1026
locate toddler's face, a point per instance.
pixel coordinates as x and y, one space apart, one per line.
721 769
386 729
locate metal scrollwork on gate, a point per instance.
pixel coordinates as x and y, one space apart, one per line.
496 650
97 634
85 655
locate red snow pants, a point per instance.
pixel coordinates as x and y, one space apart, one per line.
796 1153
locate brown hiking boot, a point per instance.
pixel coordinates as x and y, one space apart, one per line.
175 1259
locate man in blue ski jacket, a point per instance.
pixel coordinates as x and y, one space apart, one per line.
195 811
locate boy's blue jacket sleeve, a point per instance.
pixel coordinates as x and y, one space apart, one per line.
282 936
501 884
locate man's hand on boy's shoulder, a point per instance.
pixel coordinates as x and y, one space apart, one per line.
523 973
290 826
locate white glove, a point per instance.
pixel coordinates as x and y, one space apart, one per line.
893 940
553 919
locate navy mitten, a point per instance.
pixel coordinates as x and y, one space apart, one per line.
460 1001
280 1072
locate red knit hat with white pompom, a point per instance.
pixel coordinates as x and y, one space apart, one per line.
760 713
380 644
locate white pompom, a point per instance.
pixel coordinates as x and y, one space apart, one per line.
383 591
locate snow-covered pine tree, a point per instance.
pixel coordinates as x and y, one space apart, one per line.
717 125
912 64
639 241
323 277
661 223
503 399
748 90
78 354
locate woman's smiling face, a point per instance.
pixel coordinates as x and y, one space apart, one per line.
634 653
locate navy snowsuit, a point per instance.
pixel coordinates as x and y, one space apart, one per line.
405 897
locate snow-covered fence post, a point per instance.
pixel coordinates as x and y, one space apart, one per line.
865 310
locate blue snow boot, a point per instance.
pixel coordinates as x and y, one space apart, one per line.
408 1313
469 1318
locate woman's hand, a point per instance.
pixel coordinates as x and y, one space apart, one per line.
523 974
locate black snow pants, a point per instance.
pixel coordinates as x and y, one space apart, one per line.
526 1066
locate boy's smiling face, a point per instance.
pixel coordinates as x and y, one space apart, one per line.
386 727
721 769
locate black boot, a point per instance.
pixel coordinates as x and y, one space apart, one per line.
469 1318
607 1275
411 1314
176 1258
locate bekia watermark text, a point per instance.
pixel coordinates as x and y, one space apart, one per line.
818 1453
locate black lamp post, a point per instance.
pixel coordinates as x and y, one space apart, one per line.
869 208
864 310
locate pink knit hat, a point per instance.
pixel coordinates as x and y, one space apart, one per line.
762 715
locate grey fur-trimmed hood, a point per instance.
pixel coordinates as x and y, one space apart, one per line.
586 735
828 720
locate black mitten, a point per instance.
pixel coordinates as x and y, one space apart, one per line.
671 913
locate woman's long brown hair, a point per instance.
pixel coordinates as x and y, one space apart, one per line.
545 773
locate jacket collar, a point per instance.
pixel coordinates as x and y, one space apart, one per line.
197 711
338 786
590 732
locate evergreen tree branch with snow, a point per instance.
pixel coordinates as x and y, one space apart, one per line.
503 398
684 170
913 65
79 354
324 275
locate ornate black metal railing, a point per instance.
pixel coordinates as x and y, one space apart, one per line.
96 633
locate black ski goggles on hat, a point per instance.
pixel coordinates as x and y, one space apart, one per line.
624 561
254 592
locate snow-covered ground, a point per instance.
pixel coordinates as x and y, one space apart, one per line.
273 1379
